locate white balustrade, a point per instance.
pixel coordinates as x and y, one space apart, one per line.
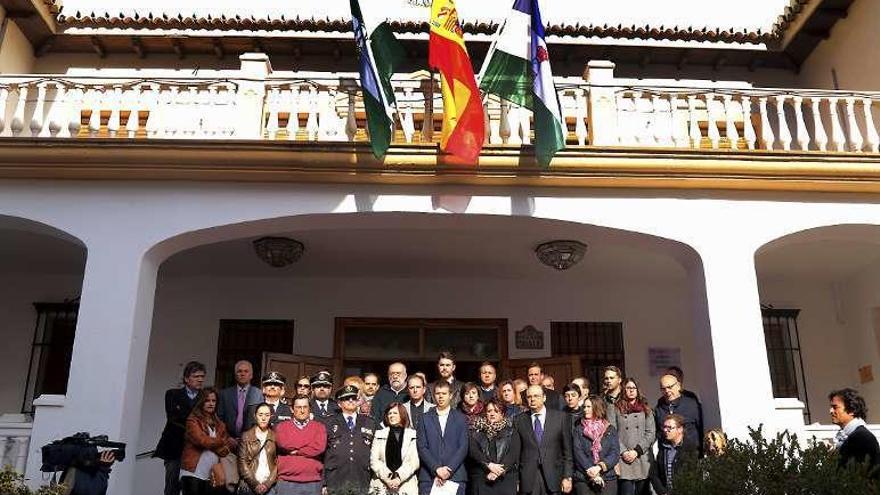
580 116
855 136
15 436
819 135
872 140
712 117
802 138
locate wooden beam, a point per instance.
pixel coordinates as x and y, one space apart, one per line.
177 46
645 59
720 62
98 46
258 46
217 46
838 13
755 63
45 47
683 59
822 34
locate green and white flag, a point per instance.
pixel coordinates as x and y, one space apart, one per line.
379 53
517 68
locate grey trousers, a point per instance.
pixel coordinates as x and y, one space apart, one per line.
172 477
291 488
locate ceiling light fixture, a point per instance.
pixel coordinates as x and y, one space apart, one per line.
278 252
561 254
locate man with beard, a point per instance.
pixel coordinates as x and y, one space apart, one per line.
393 391
446 371
323 406
371 387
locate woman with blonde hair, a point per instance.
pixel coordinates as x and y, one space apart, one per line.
715 443
394 456
511 400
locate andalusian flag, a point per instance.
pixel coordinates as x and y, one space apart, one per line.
517 68
463 126
379 53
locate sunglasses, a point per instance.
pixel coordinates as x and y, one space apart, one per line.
303 385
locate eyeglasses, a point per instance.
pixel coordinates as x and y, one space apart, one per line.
668 387
321 386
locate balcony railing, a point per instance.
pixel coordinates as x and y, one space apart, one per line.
15 436
598 111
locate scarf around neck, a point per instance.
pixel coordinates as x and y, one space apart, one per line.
594 429
491 430
846 431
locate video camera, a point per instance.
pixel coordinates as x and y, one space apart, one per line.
81 451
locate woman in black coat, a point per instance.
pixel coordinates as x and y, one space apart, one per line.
494 453
596 450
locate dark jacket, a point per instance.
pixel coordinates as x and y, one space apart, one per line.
347 458
554 400
332 409
503 449
227 407
685 454
383 398
436 448
454 392
486 396
249 457
583 454
552 457
178 405
859 446
280 412
692 412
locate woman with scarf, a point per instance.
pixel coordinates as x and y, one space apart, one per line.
596 450
470 403
394 457
635 421
493 453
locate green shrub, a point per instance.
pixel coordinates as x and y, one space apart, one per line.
12 483
779 466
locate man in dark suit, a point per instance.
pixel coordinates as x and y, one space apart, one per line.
323 407
349 440
178 404
854 442
545 465
536 376
235 400
442 440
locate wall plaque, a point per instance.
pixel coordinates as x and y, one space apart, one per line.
529 338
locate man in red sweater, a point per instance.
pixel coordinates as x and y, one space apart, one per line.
301 443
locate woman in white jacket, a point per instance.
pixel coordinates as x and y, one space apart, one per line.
394 458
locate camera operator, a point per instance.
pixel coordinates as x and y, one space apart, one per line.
84 460
90 480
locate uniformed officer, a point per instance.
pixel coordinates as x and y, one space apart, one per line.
323 406
349 439
273 394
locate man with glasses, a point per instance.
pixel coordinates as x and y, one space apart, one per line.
674 451
323 407
672 401
393 391
349 440
273 394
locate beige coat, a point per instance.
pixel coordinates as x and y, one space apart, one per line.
408 469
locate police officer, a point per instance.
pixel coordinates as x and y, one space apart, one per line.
273 394
323 406
349 439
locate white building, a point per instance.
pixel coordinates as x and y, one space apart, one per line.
718 170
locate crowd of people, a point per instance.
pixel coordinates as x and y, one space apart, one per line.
411 437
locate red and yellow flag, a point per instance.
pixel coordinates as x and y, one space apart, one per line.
463 126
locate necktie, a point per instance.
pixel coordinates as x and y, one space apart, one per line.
239 417
324 409
539 430
350 421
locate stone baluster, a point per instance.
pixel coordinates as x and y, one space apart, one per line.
17 124
327 116
113 123
784 134
487 127
748 129
504 124
292 98
580 116
855 136
525 126
714 134
514 117
215 113
494 109
663 131
74 123
767 136
173 104
272 104
643 115
58 113
803 138
4 95
22 453
312 119
679 128
153 98
838 139
695 135
407 123
730 131
95 104
872 140
137 102
819 135
351 127
188 105
625 113
37 120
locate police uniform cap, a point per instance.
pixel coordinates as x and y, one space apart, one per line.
322 378
346 392
274 377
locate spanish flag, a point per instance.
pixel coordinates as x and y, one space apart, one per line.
463 125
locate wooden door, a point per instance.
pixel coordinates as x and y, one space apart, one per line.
293 366
562 368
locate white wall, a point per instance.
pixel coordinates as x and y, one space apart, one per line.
18 292
187 313
16 52
851 51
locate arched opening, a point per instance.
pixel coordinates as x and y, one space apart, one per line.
818 291
42 272
375 287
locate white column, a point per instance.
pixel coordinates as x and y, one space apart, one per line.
106 384
602 109
730 333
